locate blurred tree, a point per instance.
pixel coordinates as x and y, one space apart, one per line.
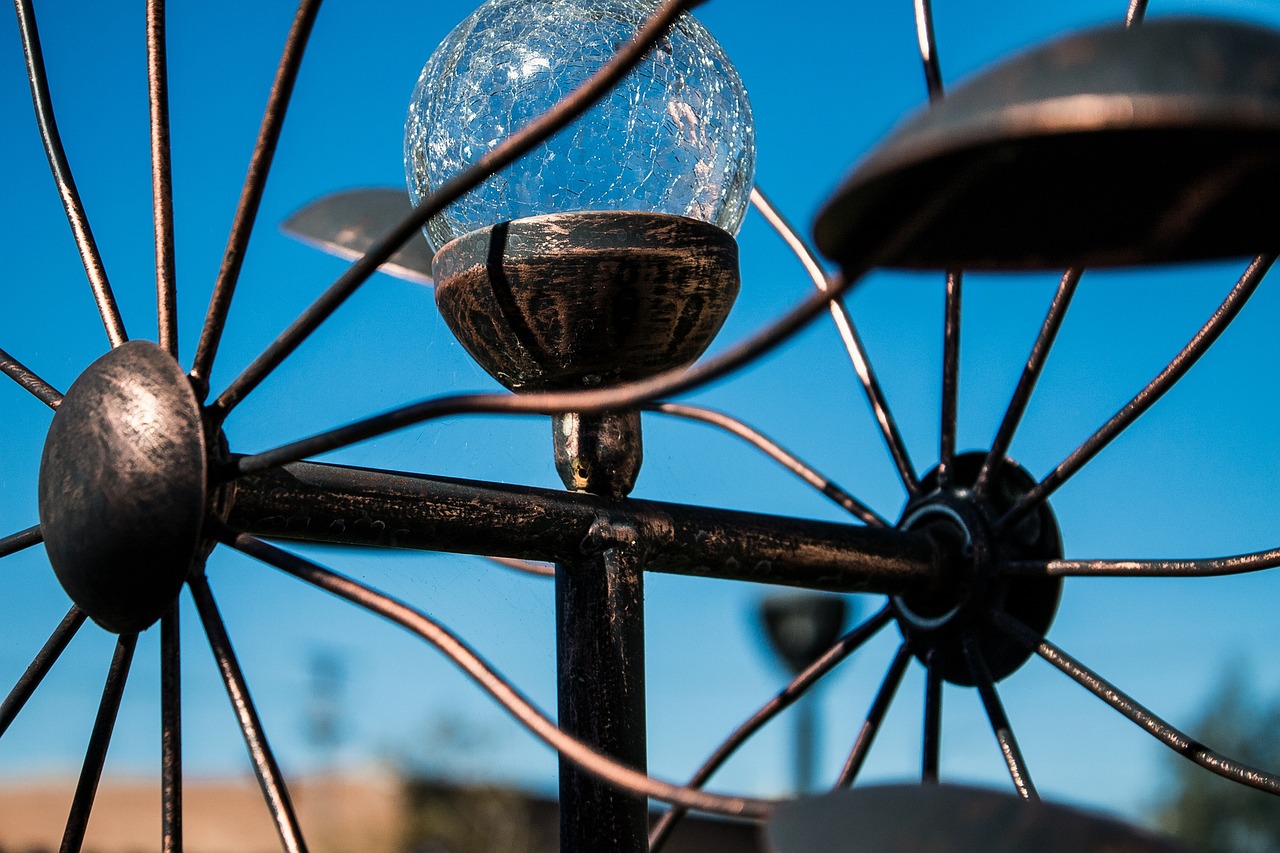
1209 812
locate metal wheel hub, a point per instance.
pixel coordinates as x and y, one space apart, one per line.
939 624
123 486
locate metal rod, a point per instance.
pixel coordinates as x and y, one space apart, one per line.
875 716
1171 737
1030 376
162 178
484 676
255 182
353 506
1137 11
950 375
39 667
265 767
849 336
21 540
1204 567
928 48
999 721
99 741
798 687
1166 379
498 157
38 388
170 733
62 177
932 747
600 670
528 567
775 452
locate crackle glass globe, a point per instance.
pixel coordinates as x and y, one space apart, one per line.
675 136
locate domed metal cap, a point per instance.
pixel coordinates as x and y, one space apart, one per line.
122 486
1112 147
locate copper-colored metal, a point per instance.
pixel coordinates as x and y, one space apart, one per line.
578 300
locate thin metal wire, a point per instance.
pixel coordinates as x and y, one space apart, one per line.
528 567
1166 379
465 658
928 48
265 767
1137 11
21 540
875 716
251 193
18 372
62 177
99 741
844 647
1205 567
950 376
1171 737
498 157
849 336
1030 376
932 745
170 733
39 667
162 178
775 452
999 721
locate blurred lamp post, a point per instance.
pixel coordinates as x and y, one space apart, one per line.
800 627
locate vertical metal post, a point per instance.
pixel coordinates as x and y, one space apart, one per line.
600 638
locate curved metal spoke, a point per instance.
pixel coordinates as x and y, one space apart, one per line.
21 540
40 667
528 567
1166 379
99 741
849 335
928 48
875 716
170 733
1171 737
251 193
846 645
1206 567
500 156
264 763
19 373
418 623
950 377
999 721
775 452
61 169
1030 376
162 178
932 746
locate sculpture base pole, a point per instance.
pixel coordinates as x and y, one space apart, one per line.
600 638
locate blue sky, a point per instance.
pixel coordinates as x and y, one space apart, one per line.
826 80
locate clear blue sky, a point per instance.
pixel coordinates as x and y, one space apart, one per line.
827 80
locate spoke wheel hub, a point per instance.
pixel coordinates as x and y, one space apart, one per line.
123 486
938 624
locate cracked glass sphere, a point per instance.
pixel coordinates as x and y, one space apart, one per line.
675 136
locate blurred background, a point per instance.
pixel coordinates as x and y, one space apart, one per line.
346 698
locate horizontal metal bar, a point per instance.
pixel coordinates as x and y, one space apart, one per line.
356 506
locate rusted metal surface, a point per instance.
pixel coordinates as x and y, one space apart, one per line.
578 300
355 506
